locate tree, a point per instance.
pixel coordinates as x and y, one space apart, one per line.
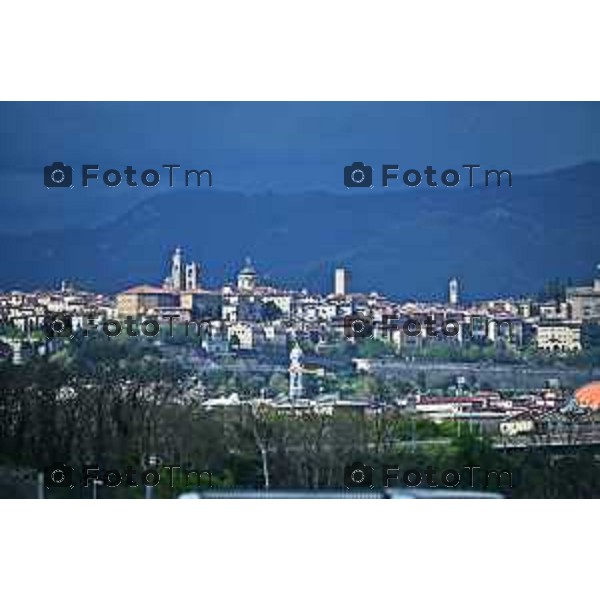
278 384
422 381
372 348
260 431
234 342
271 312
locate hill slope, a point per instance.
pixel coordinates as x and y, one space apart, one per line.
403 243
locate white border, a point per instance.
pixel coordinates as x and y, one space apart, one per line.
308 50
297 549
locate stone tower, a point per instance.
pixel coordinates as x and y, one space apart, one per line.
177 270
295 370
453 291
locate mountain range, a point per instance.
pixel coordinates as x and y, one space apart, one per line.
404 242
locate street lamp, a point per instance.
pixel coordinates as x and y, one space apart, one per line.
152 461
40 486
95 484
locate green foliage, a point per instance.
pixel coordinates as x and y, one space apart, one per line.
113 402
471 353
372 348
271 312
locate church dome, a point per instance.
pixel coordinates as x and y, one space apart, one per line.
589 395
248 268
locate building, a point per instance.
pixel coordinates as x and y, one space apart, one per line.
184 276
402 338
505 329
177 279
180 296
192 276
246 280
585 301
559 336
142 299
245 336
240 307
204 304
215 343
283 301
589 395
517 424
295 371
275 335
554 311
453 291
341 282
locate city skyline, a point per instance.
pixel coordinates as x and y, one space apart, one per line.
191 275
367 282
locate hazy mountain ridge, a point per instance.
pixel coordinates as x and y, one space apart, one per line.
404 243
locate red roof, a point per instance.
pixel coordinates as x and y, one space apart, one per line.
589 395
450 400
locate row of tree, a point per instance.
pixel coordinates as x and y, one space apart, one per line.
49 415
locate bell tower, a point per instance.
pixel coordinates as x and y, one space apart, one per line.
295 370
177 270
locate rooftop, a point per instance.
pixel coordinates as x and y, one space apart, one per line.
147 289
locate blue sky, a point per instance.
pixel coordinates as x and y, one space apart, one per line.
277 146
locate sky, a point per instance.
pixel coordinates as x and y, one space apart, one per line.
282 147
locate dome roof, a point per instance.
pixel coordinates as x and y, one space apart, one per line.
589 395
248 269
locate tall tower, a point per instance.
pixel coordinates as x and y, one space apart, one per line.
341 281
177 270
295 370
192 273
453 291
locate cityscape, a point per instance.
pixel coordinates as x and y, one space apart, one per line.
321 299
219 280
522 374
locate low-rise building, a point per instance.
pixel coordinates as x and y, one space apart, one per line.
585 301
141 299
246 336
559 336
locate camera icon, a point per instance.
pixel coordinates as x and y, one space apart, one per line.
358 475
358 326
58 475
358 175
58 326
58 175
